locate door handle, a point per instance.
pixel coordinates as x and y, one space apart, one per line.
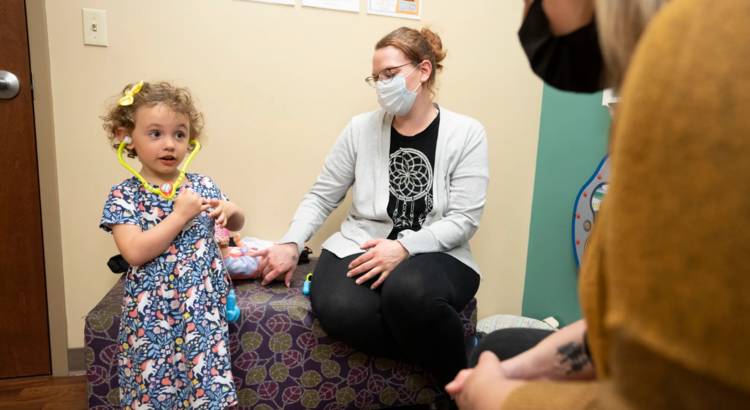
9 86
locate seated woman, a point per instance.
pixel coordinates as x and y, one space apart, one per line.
392 281
665 277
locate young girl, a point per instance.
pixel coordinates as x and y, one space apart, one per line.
173 336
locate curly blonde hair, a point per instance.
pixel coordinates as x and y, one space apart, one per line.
178 99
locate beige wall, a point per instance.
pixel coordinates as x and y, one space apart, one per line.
277 84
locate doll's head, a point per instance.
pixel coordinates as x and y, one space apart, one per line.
121 118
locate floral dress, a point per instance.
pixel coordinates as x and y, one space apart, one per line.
173 340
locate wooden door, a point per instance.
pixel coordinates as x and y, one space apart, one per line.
24 331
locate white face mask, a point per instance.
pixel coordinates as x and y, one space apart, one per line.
393 95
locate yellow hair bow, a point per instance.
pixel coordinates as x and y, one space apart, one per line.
129 95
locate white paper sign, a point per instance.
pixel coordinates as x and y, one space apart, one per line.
345 5
287 2
410 9
609 98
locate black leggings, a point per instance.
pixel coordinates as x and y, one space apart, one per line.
412 316
506 343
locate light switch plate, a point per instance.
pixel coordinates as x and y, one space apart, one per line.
95 27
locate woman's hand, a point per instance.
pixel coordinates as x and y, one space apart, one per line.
382 256
279 260
484 387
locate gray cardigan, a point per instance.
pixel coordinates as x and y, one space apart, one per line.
359 159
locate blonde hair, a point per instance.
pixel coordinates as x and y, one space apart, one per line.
620 24
417 46
176 98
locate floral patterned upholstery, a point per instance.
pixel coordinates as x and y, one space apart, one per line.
281 358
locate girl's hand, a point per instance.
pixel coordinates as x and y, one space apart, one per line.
484 387
279 260
382 256
221 212
189 204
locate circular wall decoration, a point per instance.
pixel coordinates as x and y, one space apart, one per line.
586 207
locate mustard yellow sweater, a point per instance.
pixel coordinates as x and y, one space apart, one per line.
665 286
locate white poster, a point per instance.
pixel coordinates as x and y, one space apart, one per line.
287 2
410 9
345 5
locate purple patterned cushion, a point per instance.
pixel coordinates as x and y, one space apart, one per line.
281 358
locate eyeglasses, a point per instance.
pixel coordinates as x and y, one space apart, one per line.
384 75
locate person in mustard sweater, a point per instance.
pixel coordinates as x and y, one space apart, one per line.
665 281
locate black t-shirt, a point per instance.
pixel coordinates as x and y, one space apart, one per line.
410 170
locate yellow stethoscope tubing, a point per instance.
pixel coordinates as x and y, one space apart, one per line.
196 147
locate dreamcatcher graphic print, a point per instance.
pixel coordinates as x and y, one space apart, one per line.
410 181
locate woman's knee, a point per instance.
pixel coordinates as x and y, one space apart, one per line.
333 296
340 314
405 286
408 294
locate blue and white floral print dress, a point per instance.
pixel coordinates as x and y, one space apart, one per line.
174 344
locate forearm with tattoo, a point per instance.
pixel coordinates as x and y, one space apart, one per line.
561 355
573 358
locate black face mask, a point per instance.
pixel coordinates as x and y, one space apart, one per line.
572 62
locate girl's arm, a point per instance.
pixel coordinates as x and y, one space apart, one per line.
227 214
236 218
139 247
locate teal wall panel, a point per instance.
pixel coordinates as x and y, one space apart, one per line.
573 136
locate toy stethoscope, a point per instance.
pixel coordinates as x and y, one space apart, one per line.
233 311
168 191
307 284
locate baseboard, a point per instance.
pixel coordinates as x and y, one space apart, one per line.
76 360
